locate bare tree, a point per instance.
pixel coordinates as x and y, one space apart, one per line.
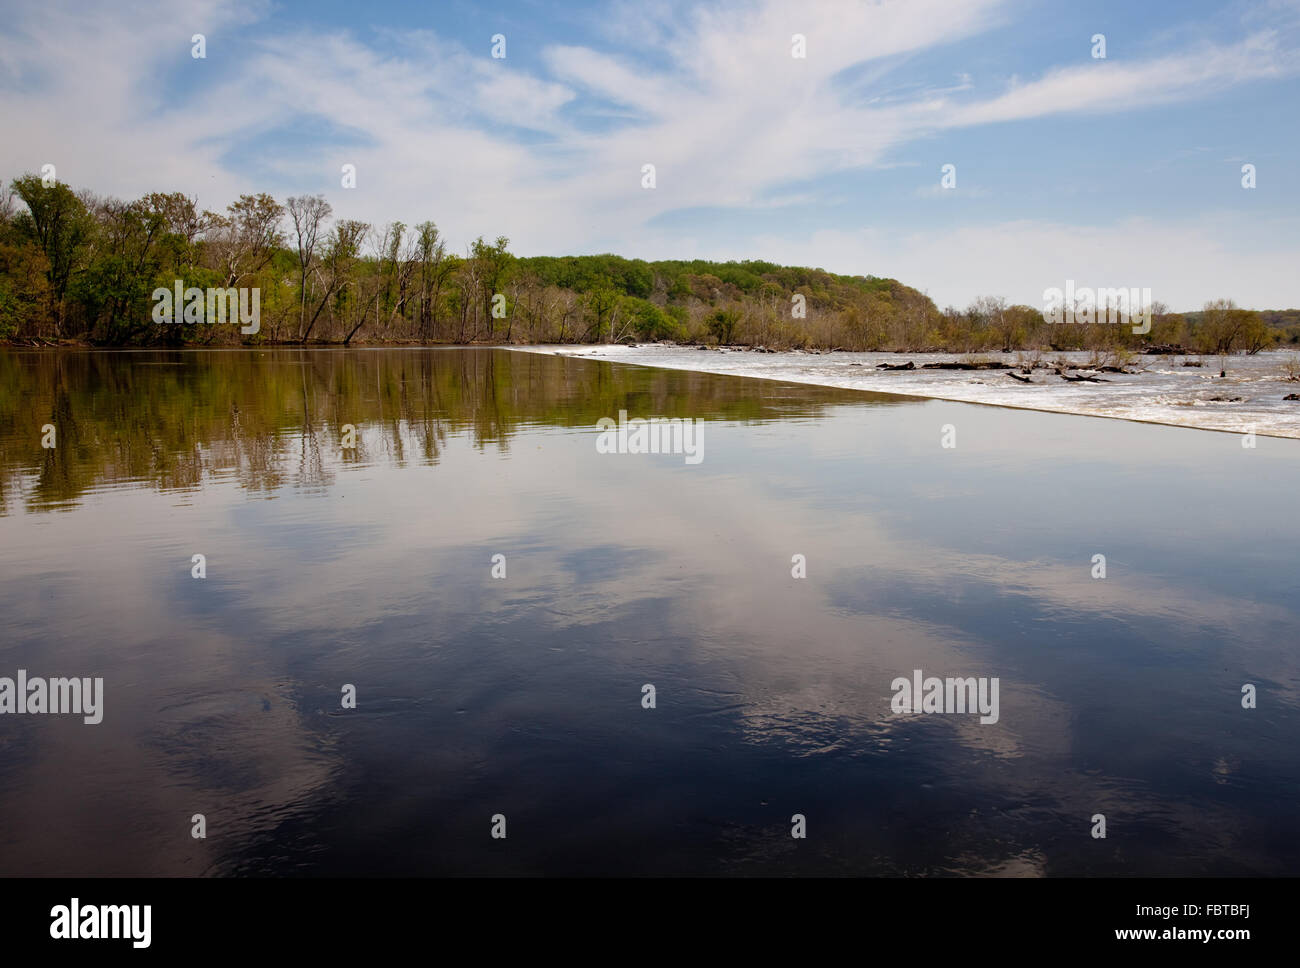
385 292
7 207
470 281
434 269
309 214
341 256
244 241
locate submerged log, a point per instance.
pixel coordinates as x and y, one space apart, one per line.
909 365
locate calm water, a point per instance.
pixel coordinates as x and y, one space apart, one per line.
522 696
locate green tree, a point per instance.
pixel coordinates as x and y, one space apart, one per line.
59 224
722 324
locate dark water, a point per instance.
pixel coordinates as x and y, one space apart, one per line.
522 696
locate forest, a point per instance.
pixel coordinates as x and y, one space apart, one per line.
76 267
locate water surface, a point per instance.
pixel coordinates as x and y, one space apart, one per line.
522 696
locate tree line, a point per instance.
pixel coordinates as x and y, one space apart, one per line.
78 266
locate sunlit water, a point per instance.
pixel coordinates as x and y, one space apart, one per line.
1184 391
522 696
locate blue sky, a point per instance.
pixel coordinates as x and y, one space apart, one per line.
1117 172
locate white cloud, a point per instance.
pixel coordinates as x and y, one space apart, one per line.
1107 85
1184 264
936 190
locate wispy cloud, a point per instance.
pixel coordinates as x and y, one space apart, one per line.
1108 86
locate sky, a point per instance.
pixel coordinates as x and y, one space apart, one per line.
1122 171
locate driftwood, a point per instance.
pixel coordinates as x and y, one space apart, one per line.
1080 378
989 365
909 365
1016 376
